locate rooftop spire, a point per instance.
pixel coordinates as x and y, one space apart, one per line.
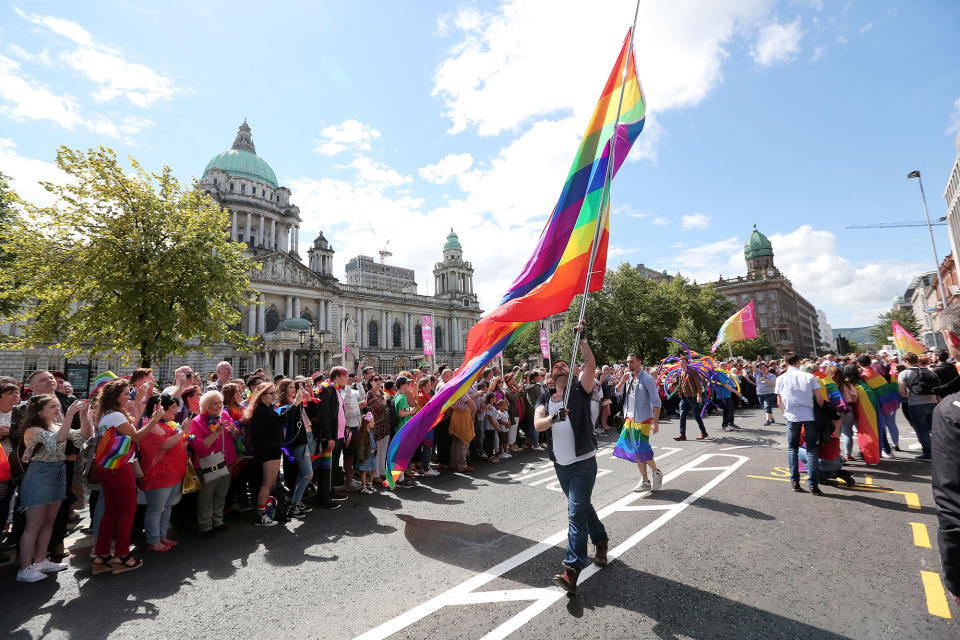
244 141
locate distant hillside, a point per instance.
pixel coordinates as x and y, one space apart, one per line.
860 335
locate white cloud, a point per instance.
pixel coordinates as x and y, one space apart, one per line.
777 43
447 168
26 173
695 221
866 27
376 174
660 221
20 53
954 117
128 126
27 99
106 67
349 134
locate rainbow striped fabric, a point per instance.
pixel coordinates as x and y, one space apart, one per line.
831 392
905 342
101 380
558 268
324 459
868 429
887 394
114 450
740 326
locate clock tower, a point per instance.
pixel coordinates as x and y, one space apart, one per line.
758 253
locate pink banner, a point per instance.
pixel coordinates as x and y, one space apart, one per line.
426 324
544 344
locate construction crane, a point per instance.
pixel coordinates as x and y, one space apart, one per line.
384 252
889 225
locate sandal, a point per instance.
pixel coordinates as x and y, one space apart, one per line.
122 565
101 564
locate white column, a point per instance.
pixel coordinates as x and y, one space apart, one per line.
272 244
249 228
262 234
278 362
327 317
262 316
296 239
384 333
292 371
252 319
289 308
362 320
233 225
296 307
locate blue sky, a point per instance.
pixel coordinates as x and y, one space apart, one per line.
409 118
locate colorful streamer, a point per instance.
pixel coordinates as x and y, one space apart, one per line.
560 264
740 326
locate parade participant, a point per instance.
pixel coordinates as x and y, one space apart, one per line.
945 467
297 441
163 460
691 395
425 451
114 470
796 393
765 381
44 487
573 449
376 404
366 460
917 384
401 405
329 435
353 404
266 429
533 390
213 445
224 374
641 406
847 380
461 432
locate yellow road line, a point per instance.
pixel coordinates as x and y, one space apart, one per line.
920 536
936 596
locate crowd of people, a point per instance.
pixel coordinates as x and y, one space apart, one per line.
281 447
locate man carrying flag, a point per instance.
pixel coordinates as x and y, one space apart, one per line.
573 449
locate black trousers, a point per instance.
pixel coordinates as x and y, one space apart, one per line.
729 406
441 435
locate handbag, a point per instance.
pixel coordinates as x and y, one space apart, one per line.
213 467
191 481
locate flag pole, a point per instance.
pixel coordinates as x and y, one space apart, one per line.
601 215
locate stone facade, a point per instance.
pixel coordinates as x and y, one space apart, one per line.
350 322
784 316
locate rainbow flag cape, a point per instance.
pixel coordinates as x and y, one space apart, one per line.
905 342
831 392
868 431
740 326
559 266
886 393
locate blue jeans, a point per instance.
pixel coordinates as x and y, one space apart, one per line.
426 454
302 455
577 482
156 519
768 401
921 418
812 436
689 405
826 468
890 422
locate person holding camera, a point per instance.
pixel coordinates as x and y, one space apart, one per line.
572 447
214 434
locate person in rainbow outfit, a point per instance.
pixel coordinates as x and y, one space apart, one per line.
641 408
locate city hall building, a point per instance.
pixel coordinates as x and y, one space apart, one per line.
301 317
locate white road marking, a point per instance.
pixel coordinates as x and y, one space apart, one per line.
466 592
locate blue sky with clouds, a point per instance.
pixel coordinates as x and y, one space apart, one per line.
394 121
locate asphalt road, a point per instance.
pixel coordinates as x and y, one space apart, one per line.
725 550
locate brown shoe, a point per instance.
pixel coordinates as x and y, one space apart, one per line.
568 579
600 559
680 437
702 436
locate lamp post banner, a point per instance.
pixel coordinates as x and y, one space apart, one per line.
426 326
544 344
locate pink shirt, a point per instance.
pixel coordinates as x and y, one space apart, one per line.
341 417
198 427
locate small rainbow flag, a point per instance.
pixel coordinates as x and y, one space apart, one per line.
324 459
740 326
905 342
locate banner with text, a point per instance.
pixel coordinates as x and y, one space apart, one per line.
426 325
544 344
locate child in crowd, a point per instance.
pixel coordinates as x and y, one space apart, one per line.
490 426
366 460
503 427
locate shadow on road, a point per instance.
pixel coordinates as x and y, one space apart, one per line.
726 508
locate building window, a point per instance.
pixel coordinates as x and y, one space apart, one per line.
397 336
466 302
231 186
243 188
438 338
763 323
774 307
373 334
762 308
271 319
418 337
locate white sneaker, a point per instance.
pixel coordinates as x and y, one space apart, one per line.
30 574
354 486
50 567
431 473
505 455
657 480
885 455
643 485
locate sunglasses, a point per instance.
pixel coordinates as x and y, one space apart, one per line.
377 379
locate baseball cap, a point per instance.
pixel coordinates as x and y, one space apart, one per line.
401 380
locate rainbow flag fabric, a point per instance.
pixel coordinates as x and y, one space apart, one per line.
558 268
905 342
868 431
887 394
740 326
114 450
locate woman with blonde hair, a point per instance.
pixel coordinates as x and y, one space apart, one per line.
213 446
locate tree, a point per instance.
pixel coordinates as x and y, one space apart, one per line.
524 345
124 262
882 331
8 217
751 348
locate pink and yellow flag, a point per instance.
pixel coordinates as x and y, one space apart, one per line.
905 342
740 326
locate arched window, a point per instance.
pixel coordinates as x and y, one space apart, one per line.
373 334
418 336
271 319
438 338
397 335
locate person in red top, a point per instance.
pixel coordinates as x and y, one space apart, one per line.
829 456
163 460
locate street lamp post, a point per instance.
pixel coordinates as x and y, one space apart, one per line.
936 258
310 346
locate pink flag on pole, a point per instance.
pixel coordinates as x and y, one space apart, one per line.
544 344
426 326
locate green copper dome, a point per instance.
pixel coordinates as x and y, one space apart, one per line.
757 245
453 242
242 160
294 324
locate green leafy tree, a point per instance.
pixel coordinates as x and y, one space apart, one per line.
523 346
123 262
884 327
8 218
750 349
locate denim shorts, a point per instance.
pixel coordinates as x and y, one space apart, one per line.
44 483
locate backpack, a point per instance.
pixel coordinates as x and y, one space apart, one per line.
923 382
392 416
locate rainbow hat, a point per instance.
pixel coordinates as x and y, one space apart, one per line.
101 380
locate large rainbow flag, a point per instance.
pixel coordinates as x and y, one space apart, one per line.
558 268
740 326
905 342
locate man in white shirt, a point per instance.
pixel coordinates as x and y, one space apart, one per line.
796 393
